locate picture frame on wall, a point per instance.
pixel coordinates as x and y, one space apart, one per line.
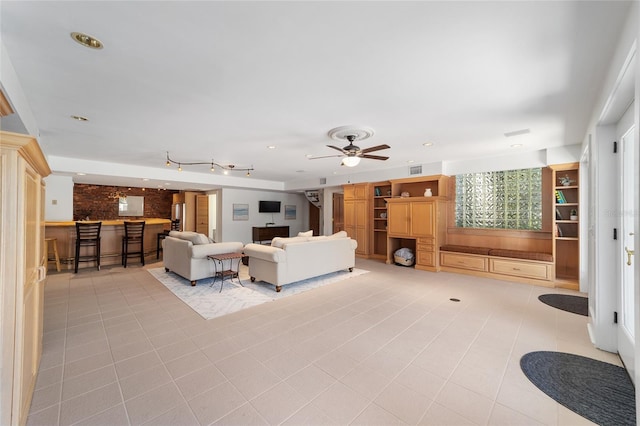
289 212
241 212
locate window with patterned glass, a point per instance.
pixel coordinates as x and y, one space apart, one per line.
509 199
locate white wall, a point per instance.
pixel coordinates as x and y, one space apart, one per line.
58 198
240 230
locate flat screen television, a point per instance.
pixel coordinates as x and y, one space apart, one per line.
269 207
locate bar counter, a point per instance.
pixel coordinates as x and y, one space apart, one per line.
111 235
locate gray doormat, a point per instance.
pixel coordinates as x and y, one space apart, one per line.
575 304
598 391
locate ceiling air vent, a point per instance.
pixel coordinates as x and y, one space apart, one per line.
323 181
415 170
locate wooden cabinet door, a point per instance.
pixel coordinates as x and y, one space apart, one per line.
422 219
360 191
349 192
202 214
350 218
361 211
398 219
30 313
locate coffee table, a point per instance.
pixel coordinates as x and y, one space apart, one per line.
218 260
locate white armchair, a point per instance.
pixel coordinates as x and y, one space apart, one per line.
185 253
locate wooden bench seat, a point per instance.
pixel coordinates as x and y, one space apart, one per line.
512 265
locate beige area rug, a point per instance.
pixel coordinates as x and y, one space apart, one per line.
209 302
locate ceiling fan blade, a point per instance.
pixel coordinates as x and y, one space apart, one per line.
325 156
374 157
335 147
375 148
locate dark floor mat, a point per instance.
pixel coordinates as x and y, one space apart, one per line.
598 391
576 304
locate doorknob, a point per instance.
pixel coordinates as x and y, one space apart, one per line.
629 254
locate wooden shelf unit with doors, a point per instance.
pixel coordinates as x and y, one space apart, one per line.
357 200
566 224
417 221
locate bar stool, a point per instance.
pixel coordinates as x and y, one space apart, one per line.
133 234
52 243
175 226
87 235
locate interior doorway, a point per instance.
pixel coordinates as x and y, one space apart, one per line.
314 219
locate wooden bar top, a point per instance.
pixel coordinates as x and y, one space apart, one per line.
119 222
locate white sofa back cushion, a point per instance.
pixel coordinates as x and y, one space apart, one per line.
194 237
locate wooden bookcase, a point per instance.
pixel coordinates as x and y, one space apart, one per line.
566 224
381 190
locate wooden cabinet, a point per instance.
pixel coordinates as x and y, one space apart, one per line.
23 257
416 221
356 215
566 224
268 233
419 224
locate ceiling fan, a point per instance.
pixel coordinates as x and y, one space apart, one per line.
352 153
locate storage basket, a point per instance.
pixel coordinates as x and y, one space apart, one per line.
404 257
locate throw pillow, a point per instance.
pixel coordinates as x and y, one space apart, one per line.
306 234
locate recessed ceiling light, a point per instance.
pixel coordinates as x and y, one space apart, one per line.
410 161
145 179
516 145
271 147
79 118
309 155
86 40
427 144
80 174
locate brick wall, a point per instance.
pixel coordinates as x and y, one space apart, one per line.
93 201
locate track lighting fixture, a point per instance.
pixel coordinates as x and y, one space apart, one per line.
225 168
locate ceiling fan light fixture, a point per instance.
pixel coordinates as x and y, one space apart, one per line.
350 161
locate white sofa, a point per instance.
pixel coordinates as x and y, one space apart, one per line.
289 260
185 253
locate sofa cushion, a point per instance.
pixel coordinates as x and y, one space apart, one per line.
279 242
194 237
306 234
339 234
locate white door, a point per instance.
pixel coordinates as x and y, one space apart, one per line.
626 299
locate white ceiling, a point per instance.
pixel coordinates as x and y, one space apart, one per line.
224 80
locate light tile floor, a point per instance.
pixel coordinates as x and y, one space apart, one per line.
387 347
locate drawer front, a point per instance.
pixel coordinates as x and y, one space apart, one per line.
424 247
519 269
465 262
425 258
423 240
